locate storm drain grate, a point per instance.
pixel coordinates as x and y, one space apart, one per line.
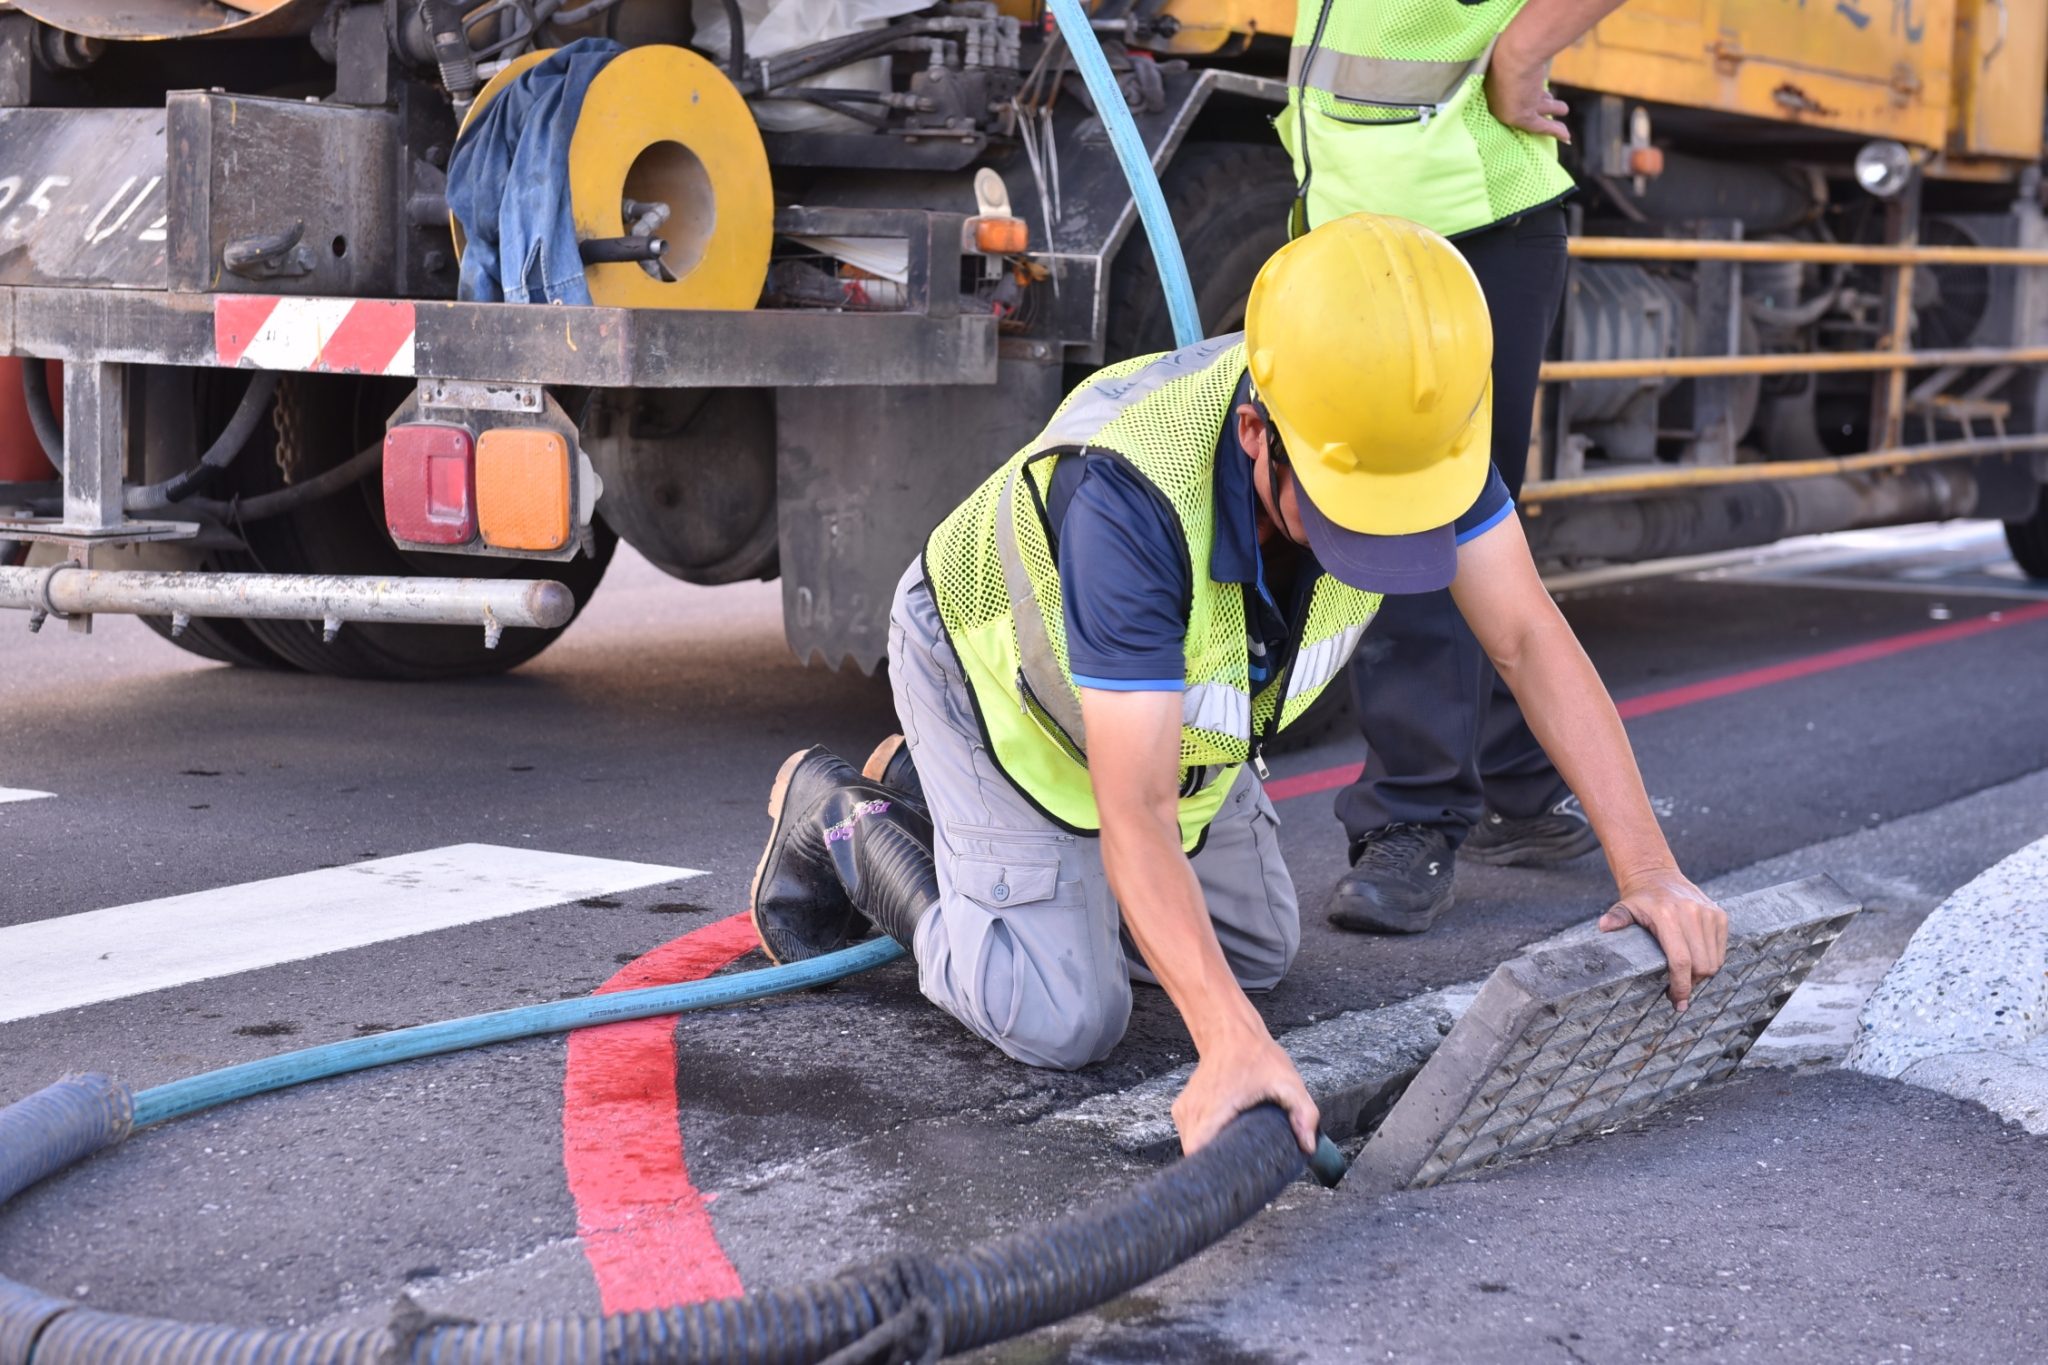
1573 1039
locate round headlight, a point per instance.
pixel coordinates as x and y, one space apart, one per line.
1883 168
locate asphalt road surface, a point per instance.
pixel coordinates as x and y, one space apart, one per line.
596 815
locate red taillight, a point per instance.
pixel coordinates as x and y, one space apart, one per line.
430 484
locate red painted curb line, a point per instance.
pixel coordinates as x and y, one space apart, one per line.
1672 698
645 1227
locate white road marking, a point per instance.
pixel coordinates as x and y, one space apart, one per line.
73 960
21 794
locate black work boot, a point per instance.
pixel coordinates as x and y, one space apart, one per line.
1399 882
1554 837
842 850
890 764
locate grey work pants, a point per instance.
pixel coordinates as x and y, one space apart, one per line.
1025 944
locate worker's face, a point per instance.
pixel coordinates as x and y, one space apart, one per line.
1285 518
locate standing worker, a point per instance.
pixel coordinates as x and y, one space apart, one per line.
1437 111
1094 646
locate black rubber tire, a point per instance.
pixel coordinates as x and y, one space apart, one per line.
222 641
2029 539
198 402
1229 200
333 417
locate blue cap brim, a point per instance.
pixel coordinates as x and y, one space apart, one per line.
1423 562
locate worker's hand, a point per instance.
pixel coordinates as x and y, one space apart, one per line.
1692 930
1520 99
1239 1074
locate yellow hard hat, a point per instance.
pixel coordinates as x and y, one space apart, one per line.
1369 342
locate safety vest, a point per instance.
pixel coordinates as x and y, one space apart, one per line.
995 578
1386 113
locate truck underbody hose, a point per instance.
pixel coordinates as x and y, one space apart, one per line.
911 1306
290 499
736 53
42 411
262 507
155 497
253 408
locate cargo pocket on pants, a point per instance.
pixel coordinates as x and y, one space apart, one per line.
1034 960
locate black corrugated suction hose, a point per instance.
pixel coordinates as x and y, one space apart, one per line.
910 1308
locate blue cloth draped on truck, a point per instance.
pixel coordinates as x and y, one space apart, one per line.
508 183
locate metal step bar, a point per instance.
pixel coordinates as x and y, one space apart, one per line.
71 590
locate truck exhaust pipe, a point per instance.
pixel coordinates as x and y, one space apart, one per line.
70 591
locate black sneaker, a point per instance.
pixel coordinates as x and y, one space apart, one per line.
1550 839
1399 882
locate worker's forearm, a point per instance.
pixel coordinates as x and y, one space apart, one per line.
1569 711
1545 28
1162 905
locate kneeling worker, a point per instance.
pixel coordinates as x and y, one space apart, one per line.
1099 640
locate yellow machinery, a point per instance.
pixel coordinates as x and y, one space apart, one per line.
1705 385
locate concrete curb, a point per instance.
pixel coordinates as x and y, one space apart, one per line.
1965 1008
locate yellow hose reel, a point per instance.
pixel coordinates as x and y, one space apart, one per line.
663 125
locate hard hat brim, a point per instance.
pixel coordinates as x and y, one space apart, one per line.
1422 562
1396 502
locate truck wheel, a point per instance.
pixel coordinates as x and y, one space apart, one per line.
320 421
182 411
2029 539
221 640
1229 201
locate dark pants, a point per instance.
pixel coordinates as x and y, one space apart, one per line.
1443 734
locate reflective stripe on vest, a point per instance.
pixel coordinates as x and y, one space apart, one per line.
1036 658
1316 664
1216 707
1392 81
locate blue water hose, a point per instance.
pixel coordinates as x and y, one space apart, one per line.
175 1100
1115 114
195 1093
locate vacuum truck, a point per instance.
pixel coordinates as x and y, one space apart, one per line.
844 256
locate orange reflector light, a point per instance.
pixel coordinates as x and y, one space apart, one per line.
428 499
522 488
1001 236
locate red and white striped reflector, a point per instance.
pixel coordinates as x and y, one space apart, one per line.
332 336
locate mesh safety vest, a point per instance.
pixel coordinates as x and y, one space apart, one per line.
994 575
1386 113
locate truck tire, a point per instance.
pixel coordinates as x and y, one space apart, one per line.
181 411
2029 539
319 421
221 640
1229 201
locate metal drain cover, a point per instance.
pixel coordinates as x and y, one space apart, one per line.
1572 1039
